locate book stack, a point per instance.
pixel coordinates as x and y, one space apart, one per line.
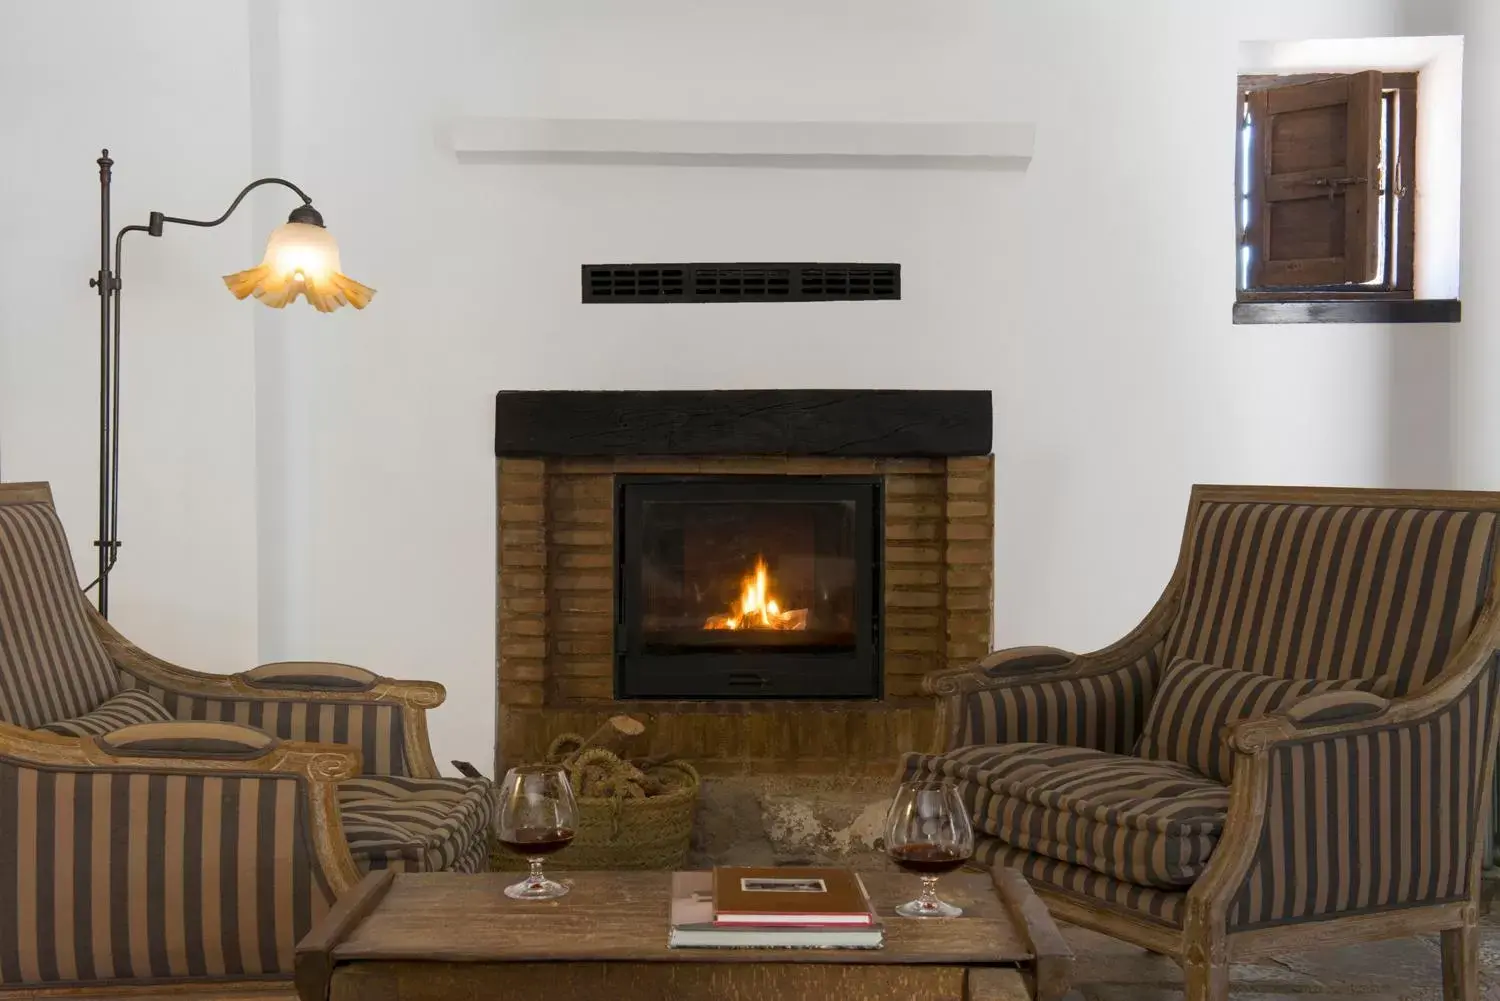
780 908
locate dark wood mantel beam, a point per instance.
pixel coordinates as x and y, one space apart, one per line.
802 422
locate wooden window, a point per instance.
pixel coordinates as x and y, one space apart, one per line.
1323 197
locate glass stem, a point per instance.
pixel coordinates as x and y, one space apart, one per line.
536 878
929 896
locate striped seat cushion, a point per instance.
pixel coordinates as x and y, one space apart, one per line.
417 825
1197 703
1332 591
52 666
1153 823
126 709
1162 906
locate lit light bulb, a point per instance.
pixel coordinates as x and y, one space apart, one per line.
302 258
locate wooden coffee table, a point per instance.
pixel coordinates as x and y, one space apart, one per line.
444 935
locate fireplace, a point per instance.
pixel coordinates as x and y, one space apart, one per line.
736 587
768 574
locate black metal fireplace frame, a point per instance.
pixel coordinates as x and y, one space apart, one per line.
719 675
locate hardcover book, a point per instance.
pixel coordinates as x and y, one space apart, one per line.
789 895
693 925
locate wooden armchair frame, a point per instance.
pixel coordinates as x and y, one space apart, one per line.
413 698
328 865
1207 942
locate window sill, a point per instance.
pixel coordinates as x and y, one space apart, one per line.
1351 311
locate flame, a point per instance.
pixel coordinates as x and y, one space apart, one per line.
756 609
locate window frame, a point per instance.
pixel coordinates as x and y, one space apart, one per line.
1398 200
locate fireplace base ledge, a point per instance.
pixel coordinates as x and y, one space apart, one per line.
838 740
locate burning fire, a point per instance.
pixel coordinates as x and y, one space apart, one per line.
756 609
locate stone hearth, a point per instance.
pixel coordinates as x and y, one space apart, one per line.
802 776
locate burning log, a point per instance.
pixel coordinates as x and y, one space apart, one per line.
757 609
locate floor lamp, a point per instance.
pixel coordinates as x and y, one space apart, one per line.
301 259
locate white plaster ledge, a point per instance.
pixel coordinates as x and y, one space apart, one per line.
943 145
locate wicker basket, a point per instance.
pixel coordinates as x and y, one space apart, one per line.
650 833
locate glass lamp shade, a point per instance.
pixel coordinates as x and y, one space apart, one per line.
301 259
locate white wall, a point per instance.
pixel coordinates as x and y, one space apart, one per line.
163 84
1477 353
1090 292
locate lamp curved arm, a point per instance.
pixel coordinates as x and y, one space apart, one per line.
158 218
109 284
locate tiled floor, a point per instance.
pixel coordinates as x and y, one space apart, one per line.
1106 970
1402 970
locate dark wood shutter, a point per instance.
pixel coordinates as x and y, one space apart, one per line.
1314 183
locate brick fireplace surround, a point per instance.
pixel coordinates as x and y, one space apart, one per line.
558 455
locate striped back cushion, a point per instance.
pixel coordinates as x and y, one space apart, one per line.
52 666
1197 702
125 709
1327 591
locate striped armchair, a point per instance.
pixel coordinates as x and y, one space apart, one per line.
159 824
1295 748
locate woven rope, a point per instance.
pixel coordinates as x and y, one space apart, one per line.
628 818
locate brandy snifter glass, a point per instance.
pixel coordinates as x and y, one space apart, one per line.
538 816
927 832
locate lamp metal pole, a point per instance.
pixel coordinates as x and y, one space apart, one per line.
107 283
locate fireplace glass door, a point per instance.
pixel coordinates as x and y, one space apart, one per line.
747 587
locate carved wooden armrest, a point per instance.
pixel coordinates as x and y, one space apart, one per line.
311 676
313 682
1325 715
1015 665
1026 658
317 762
188 739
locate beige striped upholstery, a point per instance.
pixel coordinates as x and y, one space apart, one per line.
1372 820
375 728
418 825
52 667
1195 704
125 709
1104 712
1148 822
1165 907
1305 591
114 875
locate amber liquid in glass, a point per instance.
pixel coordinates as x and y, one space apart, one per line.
928 860
533 842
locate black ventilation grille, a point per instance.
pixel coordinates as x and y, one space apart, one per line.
739 282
